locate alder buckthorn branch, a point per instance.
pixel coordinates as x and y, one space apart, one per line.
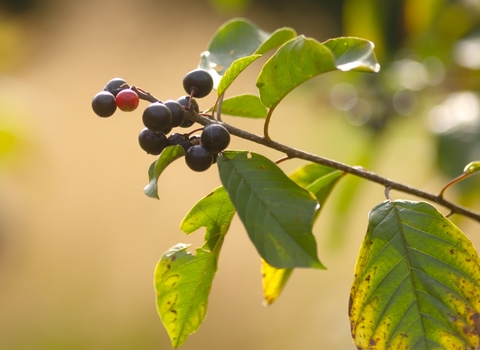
354 170
106 106
145 95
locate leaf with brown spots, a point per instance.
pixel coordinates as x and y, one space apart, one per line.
417 282
183 280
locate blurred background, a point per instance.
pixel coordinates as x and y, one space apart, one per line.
78 238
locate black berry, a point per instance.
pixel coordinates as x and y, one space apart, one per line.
113 86
179 139
185 102
215 137
195 140
152 142
198 158
103 104
177 111
187 123
198 83
157 117
166 131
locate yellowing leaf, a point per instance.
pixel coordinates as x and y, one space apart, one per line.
417 282
273 281
183 280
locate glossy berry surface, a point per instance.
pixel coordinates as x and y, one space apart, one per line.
152 142
167 130
127 100
198 158
180 140
187 123
195 140
103 104
185 101
215 137
198 82
157 117
177 111
113 85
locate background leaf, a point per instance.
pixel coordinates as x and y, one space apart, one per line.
417 282
183 281
168 156
317 179
277 213
277 39
301 59
320 180
237 67
236 39
248 106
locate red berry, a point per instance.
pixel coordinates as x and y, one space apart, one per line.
127 100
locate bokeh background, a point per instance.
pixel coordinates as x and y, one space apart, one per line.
78 238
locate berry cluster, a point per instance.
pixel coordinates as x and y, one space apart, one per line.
159 118
115 94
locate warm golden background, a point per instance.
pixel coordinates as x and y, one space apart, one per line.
78 238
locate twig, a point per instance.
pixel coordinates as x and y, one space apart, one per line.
357 171
145 95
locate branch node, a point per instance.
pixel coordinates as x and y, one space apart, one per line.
387 193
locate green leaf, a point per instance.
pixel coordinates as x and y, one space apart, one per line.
237 67
273 281
233 40
472 167
248 106
168 156
183 281
215 212
277 39
353 54
277 214
236 39
417 282
301 59
320 180
317 179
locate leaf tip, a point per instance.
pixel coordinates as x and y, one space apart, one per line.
472 167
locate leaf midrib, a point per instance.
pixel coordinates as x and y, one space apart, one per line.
262 202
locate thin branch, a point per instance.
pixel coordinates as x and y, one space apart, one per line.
219 109
281 160
267 124
145 95
453 182
357 171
